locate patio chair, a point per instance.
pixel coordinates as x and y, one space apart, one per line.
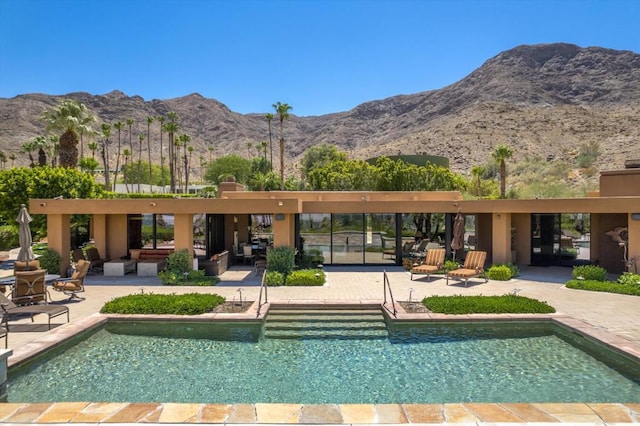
75 284
434 261
10 309
29 287
247 254
96 262
473 267
31 265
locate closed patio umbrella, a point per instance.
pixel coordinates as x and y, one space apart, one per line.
26 253
457 242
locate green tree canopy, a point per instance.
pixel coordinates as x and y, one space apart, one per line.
229 165
319 156
19 185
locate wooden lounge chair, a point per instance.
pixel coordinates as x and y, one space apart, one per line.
432 262
74 285
10 309
473 267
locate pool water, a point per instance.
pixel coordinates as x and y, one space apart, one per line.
418 363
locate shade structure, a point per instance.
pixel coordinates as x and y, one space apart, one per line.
26 253
457 242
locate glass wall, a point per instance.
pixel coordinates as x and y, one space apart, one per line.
349 238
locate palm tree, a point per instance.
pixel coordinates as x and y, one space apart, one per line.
129 122
283 113
500 154
211 149
29 147
269 118
119 125
68 117
149 121
187 165
140 139
160 119
12 157
262 146
478 172
171 128
42 144
126 154
106 132
3 159
93 147
249 146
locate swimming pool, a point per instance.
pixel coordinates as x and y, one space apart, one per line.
417 363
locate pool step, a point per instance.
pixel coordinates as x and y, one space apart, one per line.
325 323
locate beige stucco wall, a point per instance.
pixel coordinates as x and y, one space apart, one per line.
620 183
522 224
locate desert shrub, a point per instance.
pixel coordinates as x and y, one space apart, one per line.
163 304
50 260
274 278
589 272
506 304
604 286
281 259
306 277
499 273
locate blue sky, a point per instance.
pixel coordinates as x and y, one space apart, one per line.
319 56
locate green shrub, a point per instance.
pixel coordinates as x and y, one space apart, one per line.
281 259
589 272
310 259
514 270
506 304
191 278
306 277
604 286
50 260
629 278
180 262
274 278
8 237
450 265
163 304
499 273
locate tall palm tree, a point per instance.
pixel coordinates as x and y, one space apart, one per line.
187 164
269 118
12 157
171 128
126 154
28 147
283 113
500 154
149 121
478 172
119 125
140 139
262 146
68 118
160 119
93 147
129 122
211 149
249 146
106 133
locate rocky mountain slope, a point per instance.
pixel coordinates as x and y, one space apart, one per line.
543 100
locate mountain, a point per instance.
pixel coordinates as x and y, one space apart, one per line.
544 100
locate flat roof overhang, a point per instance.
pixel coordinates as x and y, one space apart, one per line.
355 203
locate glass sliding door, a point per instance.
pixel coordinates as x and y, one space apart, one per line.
347 238
380 238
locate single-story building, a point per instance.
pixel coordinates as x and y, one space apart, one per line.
364 227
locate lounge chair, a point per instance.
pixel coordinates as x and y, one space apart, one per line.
434 261
473 267
74 285
10 309
29 287
96 262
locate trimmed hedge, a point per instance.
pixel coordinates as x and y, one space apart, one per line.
499 273
589 272
306 277
506 304
604 286
163 304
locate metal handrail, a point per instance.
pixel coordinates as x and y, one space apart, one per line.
387 286
263 285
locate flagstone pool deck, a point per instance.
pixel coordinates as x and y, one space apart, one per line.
615 319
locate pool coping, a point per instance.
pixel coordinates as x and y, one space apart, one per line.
88 412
